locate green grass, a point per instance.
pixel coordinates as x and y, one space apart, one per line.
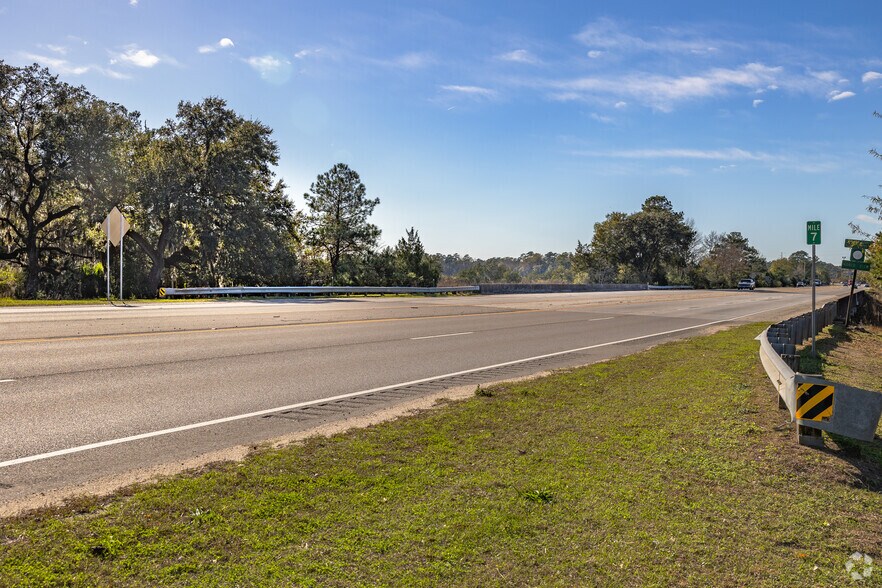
47 302
672 467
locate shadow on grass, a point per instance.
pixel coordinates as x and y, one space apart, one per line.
826 342
864 456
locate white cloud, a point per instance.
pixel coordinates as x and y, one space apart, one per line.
804 163
60 49
270 67
834 96
133 2
304 53
64 67
224 43
866 218
675 171
607 34
413 60
475 91
756 103
594 54
137 57
830 77
620 104
602 118
871 76
519 56
57 65
732 154
662 92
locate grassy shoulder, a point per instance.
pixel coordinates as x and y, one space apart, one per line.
672 467
91 301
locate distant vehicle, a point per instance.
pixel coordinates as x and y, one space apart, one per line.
800 284
747 284
817 282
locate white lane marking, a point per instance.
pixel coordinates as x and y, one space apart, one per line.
257 413
606 318
438 336
2 381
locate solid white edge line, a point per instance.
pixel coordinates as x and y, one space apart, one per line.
257 413
439 336
606 318
2 381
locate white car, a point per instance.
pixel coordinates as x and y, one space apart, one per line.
747 284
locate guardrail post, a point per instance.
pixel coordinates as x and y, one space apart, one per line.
809 436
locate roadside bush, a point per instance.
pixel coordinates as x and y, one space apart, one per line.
11 279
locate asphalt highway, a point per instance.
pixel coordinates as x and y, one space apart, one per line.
90 394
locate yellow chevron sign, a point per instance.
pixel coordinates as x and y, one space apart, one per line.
161 292
814 402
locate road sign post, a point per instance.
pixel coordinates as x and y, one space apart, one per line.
115 227
813 237
857 260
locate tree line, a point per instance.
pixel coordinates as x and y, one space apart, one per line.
205 206
654 245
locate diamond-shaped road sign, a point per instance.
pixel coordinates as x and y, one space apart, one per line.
115 226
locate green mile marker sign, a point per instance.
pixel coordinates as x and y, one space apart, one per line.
813 233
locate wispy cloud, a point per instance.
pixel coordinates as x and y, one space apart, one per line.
56 64
607 34
224 43
64 67
304 53
602 118
271 68
731 154
866 218
413 61
871 76
804 163
59 49
473 91
757 102
133 56
836 96
663 92
519 56
133 2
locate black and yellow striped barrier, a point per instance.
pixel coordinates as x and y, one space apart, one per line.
814 402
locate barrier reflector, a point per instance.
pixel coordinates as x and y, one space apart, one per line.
814 402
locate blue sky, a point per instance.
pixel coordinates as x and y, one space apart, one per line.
497 128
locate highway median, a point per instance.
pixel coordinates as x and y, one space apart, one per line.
672 466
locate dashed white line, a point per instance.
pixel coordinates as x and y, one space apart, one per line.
606 318
4 381
439 336
238 417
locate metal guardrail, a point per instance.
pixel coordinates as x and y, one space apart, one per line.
815 404
273 290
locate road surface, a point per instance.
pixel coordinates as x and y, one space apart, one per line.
92 395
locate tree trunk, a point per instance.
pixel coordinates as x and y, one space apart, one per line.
32 270
157 260
154 278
